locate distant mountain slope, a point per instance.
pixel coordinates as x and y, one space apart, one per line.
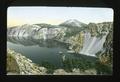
73 23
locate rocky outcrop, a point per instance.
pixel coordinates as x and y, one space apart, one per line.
76 42
12 65
99 29
20 65
75 71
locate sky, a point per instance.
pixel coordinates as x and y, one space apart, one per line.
56 15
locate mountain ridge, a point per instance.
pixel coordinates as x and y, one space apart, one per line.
80 39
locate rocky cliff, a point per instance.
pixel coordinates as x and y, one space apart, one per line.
20 65
89 40
106 55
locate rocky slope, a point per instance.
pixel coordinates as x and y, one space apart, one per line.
20 65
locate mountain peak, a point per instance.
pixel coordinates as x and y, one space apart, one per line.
72 20
73 23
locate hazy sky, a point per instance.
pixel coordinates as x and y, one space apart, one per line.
56 15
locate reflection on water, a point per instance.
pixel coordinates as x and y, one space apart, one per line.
40 42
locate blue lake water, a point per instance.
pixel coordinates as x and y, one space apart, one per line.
39 54
40 51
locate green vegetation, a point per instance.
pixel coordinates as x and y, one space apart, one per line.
102 68
69 64
82 64
50 67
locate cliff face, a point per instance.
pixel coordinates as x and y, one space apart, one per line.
99 29
76 42
90 40
106 56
